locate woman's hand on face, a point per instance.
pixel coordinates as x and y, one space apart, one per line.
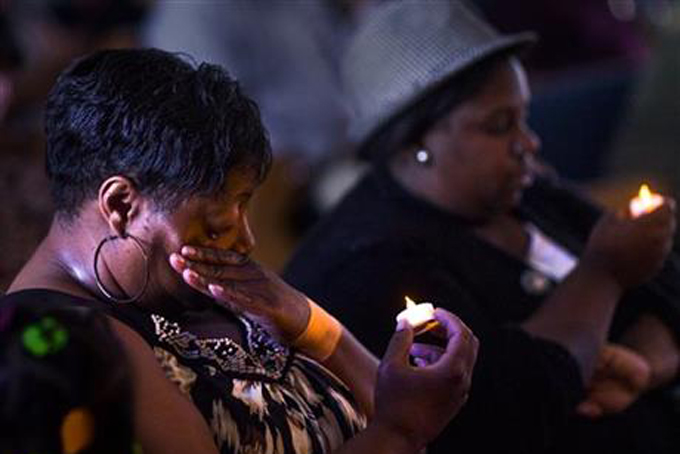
620 377
241 285
416 402
631 250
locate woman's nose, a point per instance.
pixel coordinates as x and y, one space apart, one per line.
525 145
245 242
531 141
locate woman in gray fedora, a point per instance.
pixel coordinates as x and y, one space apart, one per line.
576 308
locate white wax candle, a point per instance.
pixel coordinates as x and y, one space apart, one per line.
645 202
419 316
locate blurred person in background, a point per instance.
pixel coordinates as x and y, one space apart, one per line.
583 73
574 34
10 60
53 32
43 36
64 380
26 208
647 144
578 323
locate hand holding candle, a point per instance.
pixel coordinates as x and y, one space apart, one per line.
419 316
645 202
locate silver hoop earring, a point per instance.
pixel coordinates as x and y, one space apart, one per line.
100 285
423 157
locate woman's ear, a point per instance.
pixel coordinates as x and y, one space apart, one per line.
119 203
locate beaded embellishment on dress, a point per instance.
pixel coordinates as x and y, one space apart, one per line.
266 357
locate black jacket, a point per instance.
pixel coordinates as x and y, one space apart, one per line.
381 244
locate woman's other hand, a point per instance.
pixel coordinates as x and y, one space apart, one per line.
416 402
631 250
242 285
620 377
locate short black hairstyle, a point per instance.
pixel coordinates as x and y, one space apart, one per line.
55 359
407 127
176 129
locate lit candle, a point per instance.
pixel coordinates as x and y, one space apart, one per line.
419 316
645 202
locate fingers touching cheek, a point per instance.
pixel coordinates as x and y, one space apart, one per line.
213 256
177 262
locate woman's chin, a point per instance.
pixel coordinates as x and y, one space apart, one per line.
517 198
526 181
184 298
514 199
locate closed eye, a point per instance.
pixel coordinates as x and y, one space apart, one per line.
500 123
215 233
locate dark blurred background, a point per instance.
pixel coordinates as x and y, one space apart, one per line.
605 76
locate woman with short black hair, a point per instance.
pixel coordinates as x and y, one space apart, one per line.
152 163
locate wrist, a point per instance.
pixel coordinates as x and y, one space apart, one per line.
597 270
322 333
296 319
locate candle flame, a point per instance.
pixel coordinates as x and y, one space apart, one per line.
409 302
645 202
645 193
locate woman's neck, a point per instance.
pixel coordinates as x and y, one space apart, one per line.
501 229
59 263
507 234
426 184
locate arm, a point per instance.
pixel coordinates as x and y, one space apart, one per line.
621 253
655 342
524 387
241 284
646 358
165 421
620 377
577 314
357 368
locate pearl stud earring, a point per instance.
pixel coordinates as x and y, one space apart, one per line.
423 157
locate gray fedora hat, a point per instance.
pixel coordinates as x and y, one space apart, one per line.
406 49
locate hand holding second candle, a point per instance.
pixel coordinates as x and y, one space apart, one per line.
631 249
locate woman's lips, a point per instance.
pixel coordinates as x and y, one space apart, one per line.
529 171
